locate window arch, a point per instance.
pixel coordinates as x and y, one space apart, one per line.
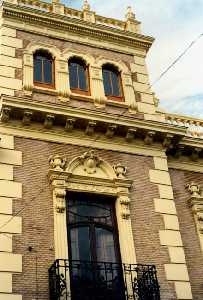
78 76
112 82
43 68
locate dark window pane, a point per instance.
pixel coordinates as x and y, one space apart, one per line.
107 82
80 243
82 78
115 84
47 71
105 245
73 75
37 70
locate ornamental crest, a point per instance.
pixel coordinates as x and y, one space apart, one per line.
90 162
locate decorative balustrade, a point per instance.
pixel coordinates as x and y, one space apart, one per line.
84 14
194 126
82 280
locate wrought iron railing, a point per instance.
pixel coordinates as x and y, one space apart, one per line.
81 280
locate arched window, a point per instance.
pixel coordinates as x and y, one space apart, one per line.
78 74
43 69
112 82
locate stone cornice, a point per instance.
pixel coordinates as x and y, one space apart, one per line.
63 118
22 104
73 25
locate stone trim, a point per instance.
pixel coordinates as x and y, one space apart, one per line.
115 145
9 262
196 204
89 173
170 236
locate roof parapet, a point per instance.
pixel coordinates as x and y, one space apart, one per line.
86 14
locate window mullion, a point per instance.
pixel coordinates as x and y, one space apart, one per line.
111 81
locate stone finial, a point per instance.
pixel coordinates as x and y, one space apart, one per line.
194 189
55 1
86 5
120 170
130 14
57 162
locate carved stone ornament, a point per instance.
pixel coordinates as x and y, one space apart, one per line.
196 203
5 114
103 179
90 162
57 162
120 170
125 208
60 195
194 189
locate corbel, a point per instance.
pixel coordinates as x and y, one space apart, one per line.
5 114
90 128
111 131
149 138
69 124
179 151
130 135
195 154
27 117
167 142
48 122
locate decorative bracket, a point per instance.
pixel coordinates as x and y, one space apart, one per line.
196 203
60 196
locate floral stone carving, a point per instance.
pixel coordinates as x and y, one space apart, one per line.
90 162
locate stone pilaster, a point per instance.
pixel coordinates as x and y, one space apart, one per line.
176 270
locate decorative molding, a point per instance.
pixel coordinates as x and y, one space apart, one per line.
196 203
186 165
98 31
89 173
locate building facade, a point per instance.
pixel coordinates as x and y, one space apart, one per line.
101 192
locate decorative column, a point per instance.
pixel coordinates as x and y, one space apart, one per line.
62 79
97 86
57 164
129 92
28 73
196 203
126 240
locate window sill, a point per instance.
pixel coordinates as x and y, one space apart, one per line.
116 103
44 90
77 96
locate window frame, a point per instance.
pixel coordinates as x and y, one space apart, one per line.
92 225
87 76
112 68
43 84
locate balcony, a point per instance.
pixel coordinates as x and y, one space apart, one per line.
81 280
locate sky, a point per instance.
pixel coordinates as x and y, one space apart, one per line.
174 24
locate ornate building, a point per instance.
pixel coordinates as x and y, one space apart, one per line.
101 192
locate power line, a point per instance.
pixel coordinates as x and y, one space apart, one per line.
176 60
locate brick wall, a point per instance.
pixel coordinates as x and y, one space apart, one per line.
188 231
38 215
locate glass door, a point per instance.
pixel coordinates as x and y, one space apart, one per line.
95 265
